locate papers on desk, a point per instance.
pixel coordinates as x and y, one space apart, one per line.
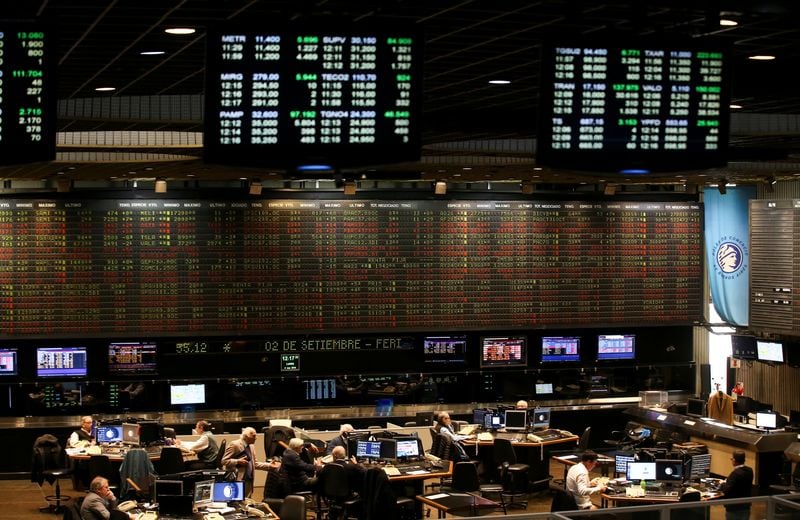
569 457
418 472
437 496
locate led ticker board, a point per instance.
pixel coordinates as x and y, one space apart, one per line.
296 94
135 268
649 106
27 94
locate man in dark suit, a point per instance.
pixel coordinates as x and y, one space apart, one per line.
739 484
339 440
354 471
300 475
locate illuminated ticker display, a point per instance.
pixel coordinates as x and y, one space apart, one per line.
27 97
650 106
294 95
124 268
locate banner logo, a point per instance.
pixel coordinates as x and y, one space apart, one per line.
729 257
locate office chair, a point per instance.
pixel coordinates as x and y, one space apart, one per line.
171 461
513 476
334 493
48 464
583 443
293 508
466 480
136 475
220 453
169 433
563 501
380 501
100 466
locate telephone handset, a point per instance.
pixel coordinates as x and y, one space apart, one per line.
127 506
254 511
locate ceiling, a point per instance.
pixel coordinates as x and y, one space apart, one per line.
471 130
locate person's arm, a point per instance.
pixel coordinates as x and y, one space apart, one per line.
195 446
584 486
73 440
232 457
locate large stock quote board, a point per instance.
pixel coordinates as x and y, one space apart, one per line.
171 267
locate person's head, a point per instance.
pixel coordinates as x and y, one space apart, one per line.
202 426
738 458
296 444
522 404
98 485
249 435
444 418
346 428
86 423
338 452
589 459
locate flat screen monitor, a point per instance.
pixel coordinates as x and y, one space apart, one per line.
407 448
695 407
132 358
323 389
150 432
229 491
560 349
341 95
130 434
478 415
163 487
743 347
669 470
543 389
445 349
616 346
641 471
541 418
61 362
794 417
700 466
425 418
493 421
504 351
203 493
769 351
106 434
368 450
633 105
187 394
621 461
8 362
766 420
516 420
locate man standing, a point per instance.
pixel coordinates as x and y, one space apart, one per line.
739 484
578 483
240 457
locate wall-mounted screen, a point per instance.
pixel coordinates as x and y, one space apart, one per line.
187 394
296 94
542 389
503 351
132 358
769 351
8 362
633 106
743 347
320 389
616 346
61 362
560 348
445 349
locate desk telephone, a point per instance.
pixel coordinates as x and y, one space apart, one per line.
147 515
250 506
127 506
485 436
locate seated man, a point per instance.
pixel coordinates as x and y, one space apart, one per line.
100 503
578 483
300 475
205 447
82 437
353 470
339 440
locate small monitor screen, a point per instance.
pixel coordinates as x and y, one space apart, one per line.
445 349
203 493
368 449
150 432
695 407
794 417
8 362
132 358
541 418
504 351
769 351
616 346
621 461
61 362
543 388
743 347
107 434
187 394
229 491
766 420
130 434
493 421
669 470
407 448
641 471
560 348
479 414
701 466
167 487
516 419
320 389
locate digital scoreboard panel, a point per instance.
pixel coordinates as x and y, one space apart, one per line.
123 268
27 93
641 105
325 94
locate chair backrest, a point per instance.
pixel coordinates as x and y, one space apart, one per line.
465 477
583 443
690 496
293 508
47 454
503 451
436 443
137 467
380 501
171 461
220 453
169 433
100 466
563 501
72 512
333 482
276 438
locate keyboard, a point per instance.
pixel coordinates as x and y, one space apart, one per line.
548 435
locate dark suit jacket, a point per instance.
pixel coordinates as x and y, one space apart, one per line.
297 470
339 440
355 474
739 484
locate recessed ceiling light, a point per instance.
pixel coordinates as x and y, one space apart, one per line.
734 107
180 30
761 57
466 168
727 22
499 81
105 89
152 53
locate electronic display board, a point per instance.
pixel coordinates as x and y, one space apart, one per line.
225 268
132 357
27 93
634 106
301 94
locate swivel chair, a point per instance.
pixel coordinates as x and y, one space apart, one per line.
49 465
334 493
466 480
513 476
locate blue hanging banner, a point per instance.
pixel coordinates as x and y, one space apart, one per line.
727 237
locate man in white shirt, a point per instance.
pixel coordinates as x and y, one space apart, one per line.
83 437
578 483
205 447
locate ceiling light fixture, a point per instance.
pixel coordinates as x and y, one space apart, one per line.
761 57
105 89
180 30
735 107
727 22
499 82
152 53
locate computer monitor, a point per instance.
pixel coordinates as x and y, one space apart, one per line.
743 347
695 407
479 415
132 358
229 491
203 493
744 405
621 461
368 450
107 434
560 349
616 346
167 487
794 417
541 418
130 434
425 418
770 351
8 362
61 362
669 470
641 471
150 432
504 351
493 421
543 389
187 394
408 448
516 420
766 420
445 349
388 449
700 466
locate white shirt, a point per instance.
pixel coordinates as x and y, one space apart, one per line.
75 442
196 446
578 484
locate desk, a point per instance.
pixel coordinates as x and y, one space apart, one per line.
612 500
118 456
570 459
412 485
459 504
